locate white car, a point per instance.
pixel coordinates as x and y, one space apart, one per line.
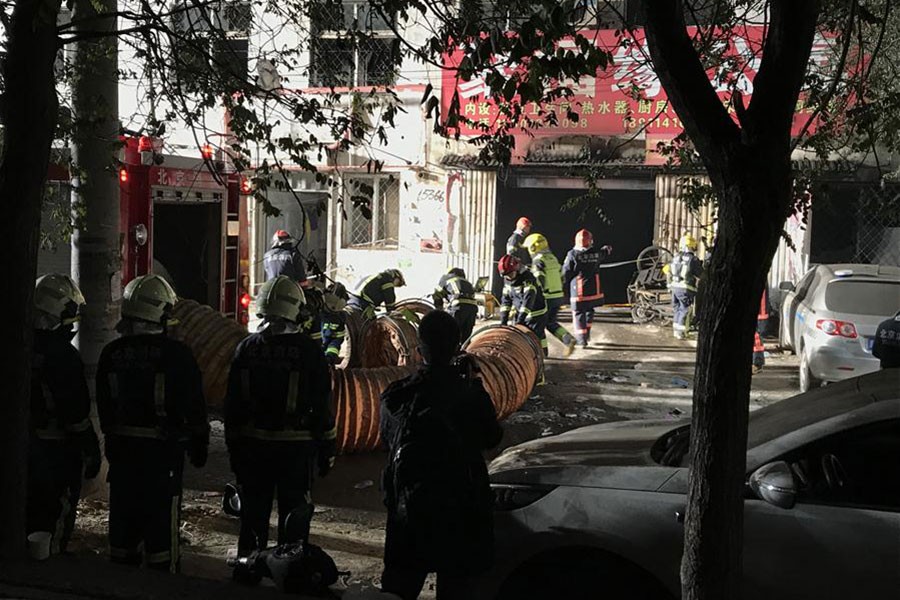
829 318
598 512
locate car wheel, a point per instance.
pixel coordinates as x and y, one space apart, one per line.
568 576
807 380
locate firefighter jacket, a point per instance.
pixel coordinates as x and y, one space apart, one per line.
375 290
514 247
456 291
547 270
284 260
60 401
684 271
149 387
523 301
886 345
279 389
581 276
332 329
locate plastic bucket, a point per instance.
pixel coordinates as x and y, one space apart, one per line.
39 545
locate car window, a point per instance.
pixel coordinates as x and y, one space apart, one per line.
857 467
862 297
804 283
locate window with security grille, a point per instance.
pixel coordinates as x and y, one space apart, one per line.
351 45
372 205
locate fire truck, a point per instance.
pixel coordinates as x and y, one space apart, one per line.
185 219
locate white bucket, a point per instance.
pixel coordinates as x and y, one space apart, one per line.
39 545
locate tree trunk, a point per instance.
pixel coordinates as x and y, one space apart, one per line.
95 184
29 119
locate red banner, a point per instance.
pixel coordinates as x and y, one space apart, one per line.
626 97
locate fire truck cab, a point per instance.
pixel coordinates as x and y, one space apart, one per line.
185 222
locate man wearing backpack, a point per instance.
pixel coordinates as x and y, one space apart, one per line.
435 425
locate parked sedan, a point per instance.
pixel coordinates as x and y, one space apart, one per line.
829 318
598 512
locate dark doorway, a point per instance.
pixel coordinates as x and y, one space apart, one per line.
187 241
629 228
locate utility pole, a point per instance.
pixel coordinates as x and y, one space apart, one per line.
96 259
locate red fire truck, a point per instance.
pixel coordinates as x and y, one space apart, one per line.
186 219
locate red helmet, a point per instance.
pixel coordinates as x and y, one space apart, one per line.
509 266
523 224
584 239
281 236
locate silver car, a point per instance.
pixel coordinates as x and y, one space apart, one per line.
597 512
829 318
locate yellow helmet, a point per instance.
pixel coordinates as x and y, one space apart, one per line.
687 242
535 243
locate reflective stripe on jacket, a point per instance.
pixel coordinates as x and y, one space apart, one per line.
684 272
548 271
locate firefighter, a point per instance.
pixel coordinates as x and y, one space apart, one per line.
151 407
683 274
62 442
375 290
278 423
546 268
514 245
522 301
327 323
887 342
759 350
459 294
436 424
284 258
581 276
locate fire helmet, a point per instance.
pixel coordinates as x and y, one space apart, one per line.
509 266
149 298
687 242
280 297
523 224
57 301
280 238
397 276
335 297
584 239
536 242
456 271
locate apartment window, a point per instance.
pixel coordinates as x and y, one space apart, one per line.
383 228
339 59
193 45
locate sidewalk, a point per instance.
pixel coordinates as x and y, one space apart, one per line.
83 578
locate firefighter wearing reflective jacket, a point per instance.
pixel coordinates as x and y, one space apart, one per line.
327 323
683 274
459 294
375 290
523 301
151 407
62 442
759 349
284 258
547 270
515 245
278 423
581 276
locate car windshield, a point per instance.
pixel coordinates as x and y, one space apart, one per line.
858 297
772 422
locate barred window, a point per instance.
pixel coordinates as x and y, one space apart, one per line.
381 197
351 45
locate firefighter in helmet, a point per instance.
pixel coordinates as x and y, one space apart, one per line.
327 323
523 300
151 407
376 290
547 270
284 258
581 277
515 244
459 294
278 422
683 275
62 443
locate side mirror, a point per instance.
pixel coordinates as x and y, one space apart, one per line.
786 286
774 483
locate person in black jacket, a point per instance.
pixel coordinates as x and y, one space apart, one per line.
376 290
515 245
581 276
523 299
151 408
62 443
284 259
435 425
278 420
886 346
